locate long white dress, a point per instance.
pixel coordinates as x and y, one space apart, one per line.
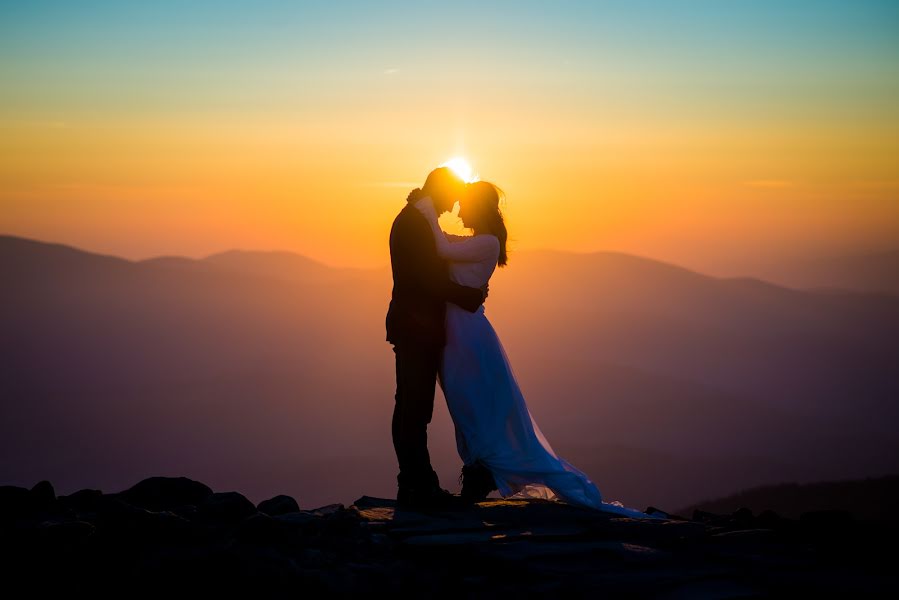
492 421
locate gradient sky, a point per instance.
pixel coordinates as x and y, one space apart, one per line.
716 134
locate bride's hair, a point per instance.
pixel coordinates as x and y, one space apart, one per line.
486 197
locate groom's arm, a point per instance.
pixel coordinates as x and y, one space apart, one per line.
430 270
439 285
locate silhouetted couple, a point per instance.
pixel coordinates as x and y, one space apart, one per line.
438 329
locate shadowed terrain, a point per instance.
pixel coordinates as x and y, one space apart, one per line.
873 499
166 535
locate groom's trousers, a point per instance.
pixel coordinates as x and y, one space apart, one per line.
416 377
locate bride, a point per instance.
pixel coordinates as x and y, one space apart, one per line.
500 444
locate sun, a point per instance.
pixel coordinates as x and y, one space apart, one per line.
461 168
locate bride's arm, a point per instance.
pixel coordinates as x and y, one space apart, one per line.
467 249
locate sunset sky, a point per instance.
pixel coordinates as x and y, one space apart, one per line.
715 134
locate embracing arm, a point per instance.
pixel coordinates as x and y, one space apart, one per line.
441 286
465 249
411 252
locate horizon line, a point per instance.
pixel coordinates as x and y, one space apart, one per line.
312 258
386 265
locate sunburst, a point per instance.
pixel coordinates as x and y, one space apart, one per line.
461 168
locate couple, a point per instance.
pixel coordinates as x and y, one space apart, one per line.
438 329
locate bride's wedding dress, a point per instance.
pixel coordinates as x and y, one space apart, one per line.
491 419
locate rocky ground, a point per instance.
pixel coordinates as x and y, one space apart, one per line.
175 536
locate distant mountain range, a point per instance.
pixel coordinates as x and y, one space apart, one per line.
269 372
872 272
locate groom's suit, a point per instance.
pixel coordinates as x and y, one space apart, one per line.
416 328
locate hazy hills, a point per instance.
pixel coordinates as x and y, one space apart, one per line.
874 272
269 372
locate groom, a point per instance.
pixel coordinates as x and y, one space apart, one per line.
415 327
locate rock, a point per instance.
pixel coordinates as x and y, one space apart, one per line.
119 520
739 519
85 500
743 518
188 511
832 525
652 510
573 550
768 519
743 535
278 505
328 509
66 532
14 501
826 518
44 496
226 507
300 518
705 516
164 493
19 502
113 507
710 589
222 545
264 530
449 539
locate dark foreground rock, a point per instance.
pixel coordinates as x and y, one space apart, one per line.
177 537
278 505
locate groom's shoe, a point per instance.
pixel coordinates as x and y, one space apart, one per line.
477 482
423 492
427 498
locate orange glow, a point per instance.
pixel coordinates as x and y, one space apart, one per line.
696 195
687 159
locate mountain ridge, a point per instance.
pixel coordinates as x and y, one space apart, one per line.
238 259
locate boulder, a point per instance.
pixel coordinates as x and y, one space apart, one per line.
14 500
278 505
17 502
85 500
226 507
263 530
165 493
43 495
65 533
132 525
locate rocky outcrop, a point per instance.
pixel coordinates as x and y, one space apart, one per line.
176 536
278 505
165 493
